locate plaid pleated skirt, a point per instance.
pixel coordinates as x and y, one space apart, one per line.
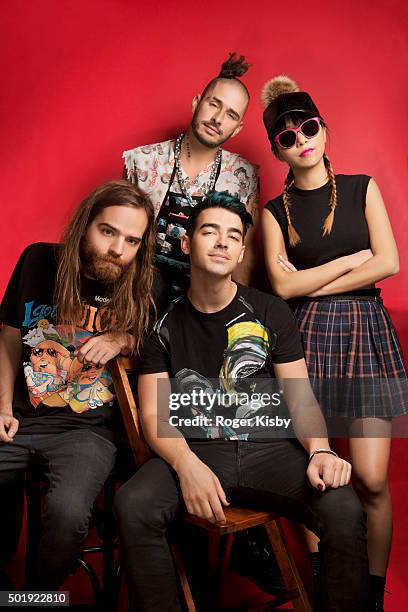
353 356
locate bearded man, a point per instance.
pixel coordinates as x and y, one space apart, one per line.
67 311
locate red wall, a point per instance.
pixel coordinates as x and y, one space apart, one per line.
81 81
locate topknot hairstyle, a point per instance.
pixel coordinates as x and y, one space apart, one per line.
234 67
277 86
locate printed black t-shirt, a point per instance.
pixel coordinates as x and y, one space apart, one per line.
54 392
228 350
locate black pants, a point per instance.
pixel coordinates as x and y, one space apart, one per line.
76 464
260 475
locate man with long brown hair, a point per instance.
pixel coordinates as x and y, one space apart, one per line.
68 310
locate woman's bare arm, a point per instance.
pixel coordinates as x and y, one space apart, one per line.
385 260
302 282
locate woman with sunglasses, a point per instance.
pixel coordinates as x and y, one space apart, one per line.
328 240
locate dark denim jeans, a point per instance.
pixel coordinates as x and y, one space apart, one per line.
261 475
76 465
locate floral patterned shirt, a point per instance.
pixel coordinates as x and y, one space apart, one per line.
152 166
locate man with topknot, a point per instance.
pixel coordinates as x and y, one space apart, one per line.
178 173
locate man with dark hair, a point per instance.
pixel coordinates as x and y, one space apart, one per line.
217 344
67 311
178 173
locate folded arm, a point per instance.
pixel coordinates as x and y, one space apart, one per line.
295 283
384 262
347 273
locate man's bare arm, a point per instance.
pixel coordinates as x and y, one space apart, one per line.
10 357
101 349
324 470
202 491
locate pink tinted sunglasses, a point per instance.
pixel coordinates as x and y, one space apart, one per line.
309 128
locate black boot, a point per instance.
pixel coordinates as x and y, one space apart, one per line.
252 557
376 594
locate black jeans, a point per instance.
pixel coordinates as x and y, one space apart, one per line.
261 475
76 464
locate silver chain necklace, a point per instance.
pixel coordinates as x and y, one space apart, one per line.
181 181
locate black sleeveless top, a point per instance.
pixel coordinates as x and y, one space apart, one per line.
308 210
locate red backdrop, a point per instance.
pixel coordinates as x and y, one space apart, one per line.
84 80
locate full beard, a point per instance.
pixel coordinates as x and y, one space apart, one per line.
103 268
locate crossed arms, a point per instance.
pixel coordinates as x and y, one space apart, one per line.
340 275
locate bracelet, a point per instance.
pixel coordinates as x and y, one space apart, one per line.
321 450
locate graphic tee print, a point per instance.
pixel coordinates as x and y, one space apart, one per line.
54 391
227 352
55 376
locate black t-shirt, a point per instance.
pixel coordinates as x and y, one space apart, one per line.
222 350
54 392
308 210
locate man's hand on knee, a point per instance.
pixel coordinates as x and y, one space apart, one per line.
202 490
328 471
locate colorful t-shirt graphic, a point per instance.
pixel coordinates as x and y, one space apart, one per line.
54 391
225 353
55 376
247 351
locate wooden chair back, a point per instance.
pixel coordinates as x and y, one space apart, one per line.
120 369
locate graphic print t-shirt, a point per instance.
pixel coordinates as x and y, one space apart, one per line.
54 391
228 351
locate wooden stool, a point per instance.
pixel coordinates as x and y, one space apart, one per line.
239 519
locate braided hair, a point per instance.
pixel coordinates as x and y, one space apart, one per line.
328 222
327 226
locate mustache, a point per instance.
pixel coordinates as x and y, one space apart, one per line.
214 126
109 260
